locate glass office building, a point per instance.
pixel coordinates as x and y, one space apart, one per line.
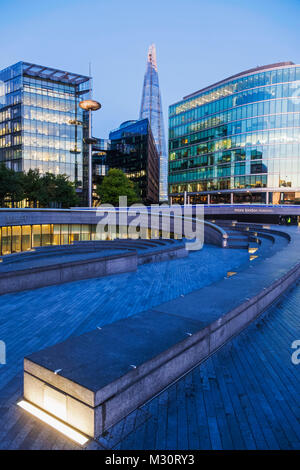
99 157
133 150
151 109
238 141
41 125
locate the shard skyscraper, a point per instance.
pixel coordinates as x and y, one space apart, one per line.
151 108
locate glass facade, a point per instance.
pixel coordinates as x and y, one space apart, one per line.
99 164
41 124
17 238
151 108
239 140
133 150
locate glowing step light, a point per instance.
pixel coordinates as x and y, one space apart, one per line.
231 273
54 423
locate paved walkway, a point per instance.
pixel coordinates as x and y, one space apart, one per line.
246 396
32 320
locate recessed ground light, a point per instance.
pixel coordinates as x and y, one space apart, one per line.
252 257
231 273
54 422
252 250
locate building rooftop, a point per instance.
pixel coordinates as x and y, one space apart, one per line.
241 74
127 123
46 73
49 73
126 127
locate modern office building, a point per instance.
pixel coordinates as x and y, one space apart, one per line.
99 155
238 140
151 108
41 124
133 150
99 165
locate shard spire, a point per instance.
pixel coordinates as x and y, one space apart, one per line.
151 108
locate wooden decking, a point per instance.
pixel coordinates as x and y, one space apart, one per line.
246 396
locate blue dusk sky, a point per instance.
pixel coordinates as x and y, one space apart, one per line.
198 43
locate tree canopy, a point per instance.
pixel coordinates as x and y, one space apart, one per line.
114 185
57 190
32 185
11 186
46 190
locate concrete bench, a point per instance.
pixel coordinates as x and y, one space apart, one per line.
28 276
94 380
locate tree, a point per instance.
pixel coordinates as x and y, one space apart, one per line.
48 190
114 185
57 191
11 186
65 192
32 186
16 193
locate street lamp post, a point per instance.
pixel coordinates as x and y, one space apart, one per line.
90 105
